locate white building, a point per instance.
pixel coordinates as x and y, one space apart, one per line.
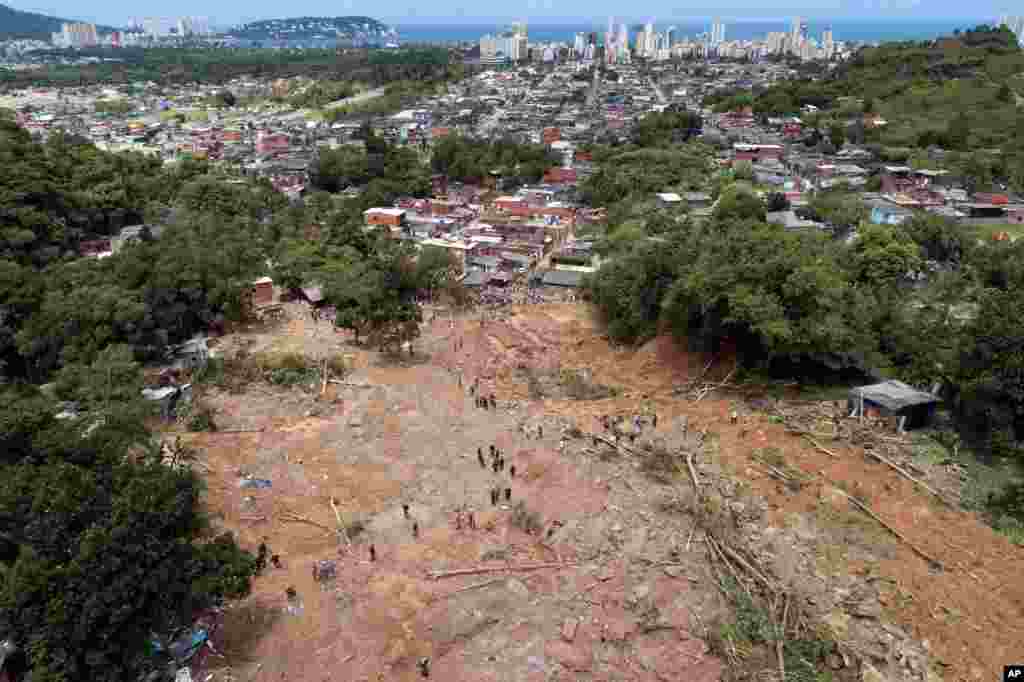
828 44
490 48
776 42
717 32
623 44
797 35
579 44
77 35
1015 24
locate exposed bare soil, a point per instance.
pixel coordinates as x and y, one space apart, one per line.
628 592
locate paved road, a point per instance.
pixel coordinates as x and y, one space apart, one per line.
592 95
354 99
658 92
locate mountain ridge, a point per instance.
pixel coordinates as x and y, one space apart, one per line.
16 23
302 27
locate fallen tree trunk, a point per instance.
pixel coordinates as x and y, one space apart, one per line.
437 575
903 472
864 508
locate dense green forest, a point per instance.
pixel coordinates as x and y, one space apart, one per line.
962 93
218 65
461 158
103 541
809 305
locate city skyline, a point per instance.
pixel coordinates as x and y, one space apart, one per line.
119 12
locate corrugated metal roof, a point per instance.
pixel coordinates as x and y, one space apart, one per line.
563 278
893 395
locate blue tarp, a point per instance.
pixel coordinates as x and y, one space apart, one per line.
254 483
185 646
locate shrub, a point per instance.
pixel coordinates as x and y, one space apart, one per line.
202 419
526 520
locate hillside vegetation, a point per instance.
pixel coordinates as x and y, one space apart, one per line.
919 87
216 65
306 27
17 24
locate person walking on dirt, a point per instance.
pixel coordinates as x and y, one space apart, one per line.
261 558
480 458
373 553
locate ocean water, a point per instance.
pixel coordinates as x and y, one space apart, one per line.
843 30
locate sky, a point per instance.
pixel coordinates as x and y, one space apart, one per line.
229 12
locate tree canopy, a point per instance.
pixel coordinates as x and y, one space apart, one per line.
461 158
102 544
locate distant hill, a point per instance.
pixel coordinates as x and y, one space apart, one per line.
918 87
308 28
17 24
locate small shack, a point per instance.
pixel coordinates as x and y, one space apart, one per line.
563 278
893 399
475 279
313 293
262 291
167 398
191 355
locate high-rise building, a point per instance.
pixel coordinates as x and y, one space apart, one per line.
1015 24
828 44
78 35
622 44
795 35
489 49
610 48
776 42
154 27
646 45
184 26
717 32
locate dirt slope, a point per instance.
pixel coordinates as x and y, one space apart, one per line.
630 597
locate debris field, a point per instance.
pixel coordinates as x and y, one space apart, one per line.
589 565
